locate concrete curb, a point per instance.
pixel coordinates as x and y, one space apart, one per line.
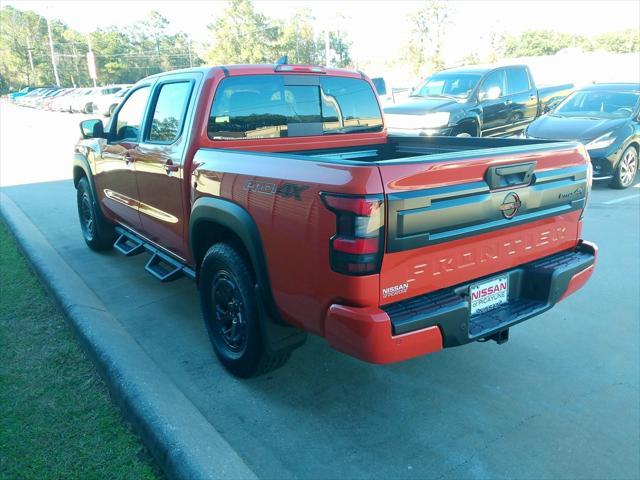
183 442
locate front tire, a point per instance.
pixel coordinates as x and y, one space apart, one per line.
626 169
98 234
231 313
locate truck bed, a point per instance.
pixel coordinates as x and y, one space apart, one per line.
400 149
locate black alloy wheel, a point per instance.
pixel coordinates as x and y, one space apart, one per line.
627 168
229 313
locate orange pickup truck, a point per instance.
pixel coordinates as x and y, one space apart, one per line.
277 188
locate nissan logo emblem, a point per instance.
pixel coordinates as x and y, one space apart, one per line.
510 205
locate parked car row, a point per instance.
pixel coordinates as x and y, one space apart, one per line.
102 100
482 101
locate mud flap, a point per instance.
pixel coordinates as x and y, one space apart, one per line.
277 336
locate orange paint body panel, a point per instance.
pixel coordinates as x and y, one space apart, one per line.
365 334
580 279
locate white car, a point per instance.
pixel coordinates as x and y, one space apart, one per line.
88 103
82 101
61 102
106 104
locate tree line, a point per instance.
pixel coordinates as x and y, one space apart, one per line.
548 42
430 22
124 54
243 35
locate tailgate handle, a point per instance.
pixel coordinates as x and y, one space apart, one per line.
510 175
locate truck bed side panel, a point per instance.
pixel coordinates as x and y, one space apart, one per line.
281 193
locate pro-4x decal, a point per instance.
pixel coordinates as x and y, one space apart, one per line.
286 190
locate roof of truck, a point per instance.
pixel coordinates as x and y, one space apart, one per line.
262 69
622 87
480 68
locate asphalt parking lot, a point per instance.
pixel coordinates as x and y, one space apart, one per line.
559 400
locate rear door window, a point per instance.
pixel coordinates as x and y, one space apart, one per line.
169 111
272 106
517 81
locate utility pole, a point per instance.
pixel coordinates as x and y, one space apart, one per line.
297 43
75 60
91 62
29 51
53 54
327 47
189 47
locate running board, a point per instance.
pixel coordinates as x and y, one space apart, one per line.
128 245
161 265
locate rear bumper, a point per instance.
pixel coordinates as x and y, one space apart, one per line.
428 323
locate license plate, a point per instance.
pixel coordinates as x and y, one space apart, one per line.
488 294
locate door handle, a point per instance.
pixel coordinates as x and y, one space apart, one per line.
510 175
509 102
170 167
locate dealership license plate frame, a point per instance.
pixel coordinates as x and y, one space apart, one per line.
502 296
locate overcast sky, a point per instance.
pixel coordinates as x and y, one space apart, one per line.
378 29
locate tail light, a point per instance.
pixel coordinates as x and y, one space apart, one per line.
356 248
299 69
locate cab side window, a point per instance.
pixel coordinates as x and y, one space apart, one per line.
517 81
494 80
168 114
129 119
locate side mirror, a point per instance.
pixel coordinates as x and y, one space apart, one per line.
381 86
92 128
551 105
491 94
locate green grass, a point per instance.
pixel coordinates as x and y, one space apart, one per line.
56 417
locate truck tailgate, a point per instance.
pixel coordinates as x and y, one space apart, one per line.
455 217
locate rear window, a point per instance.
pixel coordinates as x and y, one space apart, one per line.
271 106
517 80
599 103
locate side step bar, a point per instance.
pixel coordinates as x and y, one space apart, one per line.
161 265
128 245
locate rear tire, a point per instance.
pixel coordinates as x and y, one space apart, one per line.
626 170
231 314
97 232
